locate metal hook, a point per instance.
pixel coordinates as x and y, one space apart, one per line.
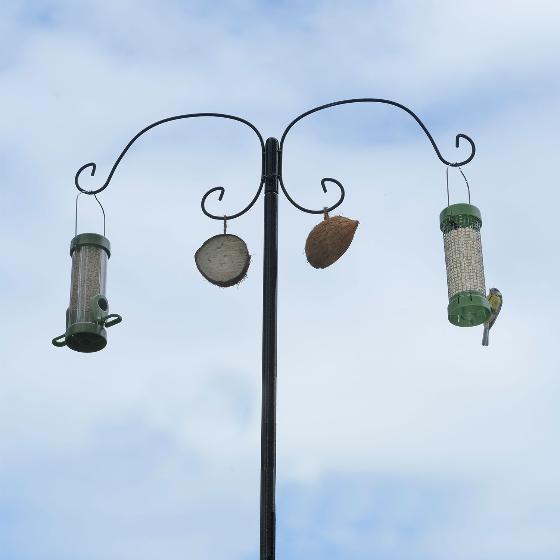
447 183
76 214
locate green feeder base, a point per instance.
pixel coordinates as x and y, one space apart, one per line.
468 309
86 337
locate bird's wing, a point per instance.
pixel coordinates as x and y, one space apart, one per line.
495 314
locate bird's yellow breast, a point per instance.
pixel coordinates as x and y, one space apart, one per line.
494 300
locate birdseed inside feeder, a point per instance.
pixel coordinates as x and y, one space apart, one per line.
468 306
88 313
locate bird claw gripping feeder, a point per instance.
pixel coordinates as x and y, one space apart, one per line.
460 225
87 316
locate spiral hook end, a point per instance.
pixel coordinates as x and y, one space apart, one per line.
79 172
472 145
339 185
221 190
324 187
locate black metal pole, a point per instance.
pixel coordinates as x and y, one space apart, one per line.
268 418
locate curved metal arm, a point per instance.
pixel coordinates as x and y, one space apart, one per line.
93 166
367 100
326 208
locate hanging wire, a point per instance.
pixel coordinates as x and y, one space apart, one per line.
447 183
76 214
468 188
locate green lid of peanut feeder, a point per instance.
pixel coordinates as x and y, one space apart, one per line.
468 306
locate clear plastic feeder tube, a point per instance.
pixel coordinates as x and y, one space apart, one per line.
88 281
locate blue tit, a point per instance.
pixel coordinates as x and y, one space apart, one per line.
495 301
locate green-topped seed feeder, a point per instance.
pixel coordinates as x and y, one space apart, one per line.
468 306
88 316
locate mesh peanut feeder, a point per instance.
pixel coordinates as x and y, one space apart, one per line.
468 306
329 240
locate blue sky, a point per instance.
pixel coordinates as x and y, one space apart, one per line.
399 436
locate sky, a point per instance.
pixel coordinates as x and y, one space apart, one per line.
399 436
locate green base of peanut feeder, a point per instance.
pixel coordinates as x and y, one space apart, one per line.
468 309
86 337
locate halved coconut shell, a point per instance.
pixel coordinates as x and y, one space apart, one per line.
223 260
329 240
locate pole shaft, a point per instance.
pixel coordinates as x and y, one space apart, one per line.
268 418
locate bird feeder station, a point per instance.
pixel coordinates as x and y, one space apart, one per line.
468 306
224 260
87 316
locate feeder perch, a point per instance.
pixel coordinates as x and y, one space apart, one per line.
88 316
468 306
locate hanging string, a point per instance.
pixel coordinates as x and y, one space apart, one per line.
325 213
225 224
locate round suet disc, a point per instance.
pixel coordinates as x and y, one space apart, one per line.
223 260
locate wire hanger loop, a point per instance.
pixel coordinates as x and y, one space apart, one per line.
447 183
76 214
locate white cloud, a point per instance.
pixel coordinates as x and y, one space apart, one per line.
165 422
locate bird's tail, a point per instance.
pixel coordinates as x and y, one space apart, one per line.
486 335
